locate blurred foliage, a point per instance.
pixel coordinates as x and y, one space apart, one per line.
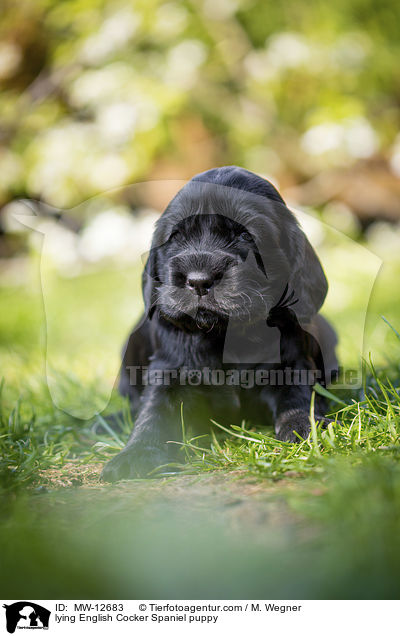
96 94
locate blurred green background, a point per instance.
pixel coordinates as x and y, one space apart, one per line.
106 107
99 94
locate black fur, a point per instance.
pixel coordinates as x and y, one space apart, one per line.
231 283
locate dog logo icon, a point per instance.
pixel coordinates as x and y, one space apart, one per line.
26 615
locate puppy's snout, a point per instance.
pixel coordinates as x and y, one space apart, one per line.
201 282
199 272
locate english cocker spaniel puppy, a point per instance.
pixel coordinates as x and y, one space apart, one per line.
231 330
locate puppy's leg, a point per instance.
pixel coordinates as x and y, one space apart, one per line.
158 421
290 406
300 352
158 425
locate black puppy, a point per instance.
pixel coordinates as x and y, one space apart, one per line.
232 289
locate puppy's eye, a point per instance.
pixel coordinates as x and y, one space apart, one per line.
174 235
246 236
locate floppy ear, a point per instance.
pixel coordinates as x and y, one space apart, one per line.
307 278
150 282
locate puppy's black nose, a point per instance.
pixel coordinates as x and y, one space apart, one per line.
199 282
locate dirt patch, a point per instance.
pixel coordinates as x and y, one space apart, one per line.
239 502
71 474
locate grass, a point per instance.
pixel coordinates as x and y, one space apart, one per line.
242 515
36 437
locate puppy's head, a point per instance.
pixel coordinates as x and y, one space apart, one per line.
225 249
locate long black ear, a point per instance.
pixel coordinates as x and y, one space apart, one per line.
150 283
307 278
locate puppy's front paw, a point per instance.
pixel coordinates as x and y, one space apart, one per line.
133 462
296 420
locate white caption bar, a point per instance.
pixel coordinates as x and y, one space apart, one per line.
182 617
